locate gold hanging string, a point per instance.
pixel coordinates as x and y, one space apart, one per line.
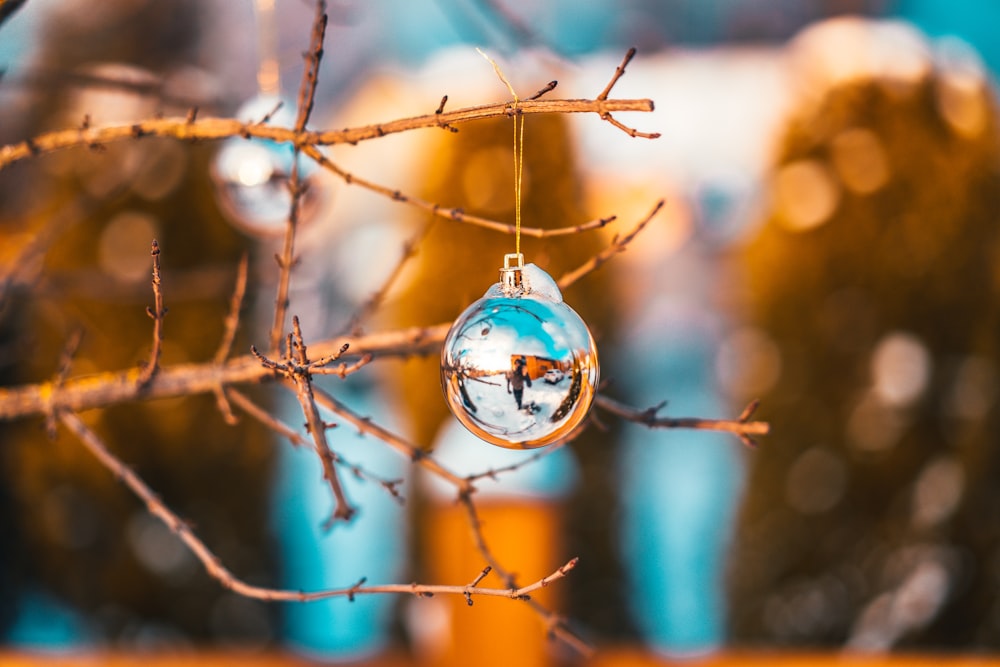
518 150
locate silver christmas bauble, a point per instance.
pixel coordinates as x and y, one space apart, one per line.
519 367
251 175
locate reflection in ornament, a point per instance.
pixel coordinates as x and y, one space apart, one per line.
251 175
519 367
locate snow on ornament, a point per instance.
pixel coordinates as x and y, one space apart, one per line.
519 367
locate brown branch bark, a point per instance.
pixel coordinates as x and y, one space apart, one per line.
232 322
619 72
112 387
219 128
296 187
310 75
214 567
286 260
618 244
296 369
555 623
408 449
156 312
286 431
375 300
454 214
743 427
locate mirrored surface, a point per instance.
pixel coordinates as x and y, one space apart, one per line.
519 372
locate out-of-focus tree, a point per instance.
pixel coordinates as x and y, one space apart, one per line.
72 533
869 517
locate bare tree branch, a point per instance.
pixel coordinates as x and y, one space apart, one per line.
65 362
156 312
232 322
286 259
619 72
742 427
296 370
60 399
214 567
296 186
555 624
617 245
286 431
408 449
310 75
112 387
375 300
455 214
220 128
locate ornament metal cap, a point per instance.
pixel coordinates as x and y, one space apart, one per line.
511 278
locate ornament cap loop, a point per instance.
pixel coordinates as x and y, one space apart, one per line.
511 278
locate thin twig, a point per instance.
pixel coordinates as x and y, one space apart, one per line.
494 473
263 416
221 128
296 187
630 131
373 302
232 322
475 528
742 427
62 372
156 312
440 110
214 567
285 261
68 354
225 409
554 622
284 430
455 214
619 72
475 582
310 76
296 371
618 244
549 87
343 370
318 364
397 442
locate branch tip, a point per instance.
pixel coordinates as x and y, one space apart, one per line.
749 410
550 86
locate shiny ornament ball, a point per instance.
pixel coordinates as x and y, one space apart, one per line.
519 367
251 175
